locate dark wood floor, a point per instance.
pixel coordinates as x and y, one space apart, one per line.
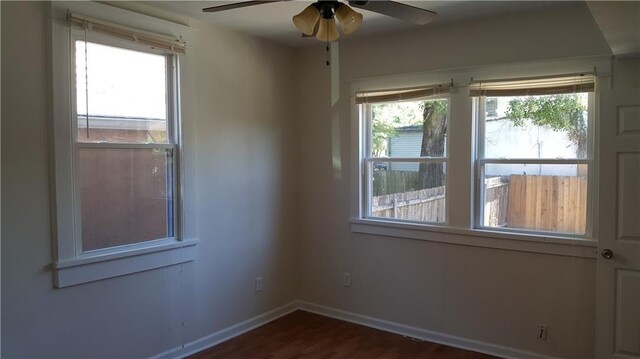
306 335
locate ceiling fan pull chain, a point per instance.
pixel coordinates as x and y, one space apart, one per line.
328 55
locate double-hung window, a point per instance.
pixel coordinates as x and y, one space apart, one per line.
126 141
534 154
117 150
405 154
495 159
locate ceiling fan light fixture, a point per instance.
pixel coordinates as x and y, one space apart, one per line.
307 19
350 20
328 30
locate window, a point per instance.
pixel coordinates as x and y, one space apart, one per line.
125 145
118 141
534 155
405 154
514 167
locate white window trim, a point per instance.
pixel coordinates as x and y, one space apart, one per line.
583 248
460 214
71 266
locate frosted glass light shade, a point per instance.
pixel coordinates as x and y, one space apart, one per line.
349 19
307 19
327 31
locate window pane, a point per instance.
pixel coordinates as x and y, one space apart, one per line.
536 197
126 97
126 196
409 129
408 190
536 126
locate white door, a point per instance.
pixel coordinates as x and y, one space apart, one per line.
618 216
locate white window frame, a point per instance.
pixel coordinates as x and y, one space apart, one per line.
366 173
72 265
481 161
461 169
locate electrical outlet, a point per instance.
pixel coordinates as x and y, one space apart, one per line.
542 332
346 279
259 284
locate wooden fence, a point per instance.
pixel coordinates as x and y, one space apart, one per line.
542 203
496 197
387 182
426 205
548 203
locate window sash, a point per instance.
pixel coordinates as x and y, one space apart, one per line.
407 159
481 162
536 161
367 127
117 145
172 145
173 127
172 150
366 174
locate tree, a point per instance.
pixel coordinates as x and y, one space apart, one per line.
434 130
381 132
559 112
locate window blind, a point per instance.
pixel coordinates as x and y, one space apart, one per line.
152 40
401 94
534 86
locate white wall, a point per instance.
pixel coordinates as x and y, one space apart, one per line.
491 295
245 206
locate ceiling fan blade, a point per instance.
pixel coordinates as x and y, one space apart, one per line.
412 14
237 5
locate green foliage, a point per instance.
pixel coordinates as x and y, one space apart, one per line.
558 112
381 132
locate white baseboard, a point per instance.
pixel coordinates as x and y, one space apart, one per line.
227 333
419 333
381 324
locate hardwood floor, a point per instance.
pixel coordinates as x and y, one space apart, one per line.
306 335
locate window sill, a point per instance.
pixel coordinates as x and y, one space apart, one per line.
563 246
122 262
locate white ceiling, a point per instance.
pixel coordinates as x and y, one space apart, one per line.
273 21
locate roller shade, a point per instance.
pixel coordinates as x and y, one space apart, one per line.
156 41
401 94
534 86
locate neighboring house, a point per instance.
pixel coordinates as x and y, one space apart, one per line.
504 140
515 141
406 143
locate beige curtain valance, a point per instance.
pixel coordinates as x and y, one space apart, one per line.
401 94
161 42
534 86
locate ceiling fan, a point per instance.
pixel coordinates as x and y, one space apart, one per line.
319 19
